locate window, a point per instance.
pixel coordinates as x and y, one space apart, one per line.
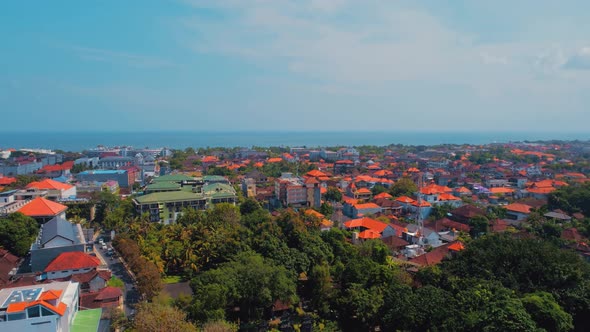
33 312
46 312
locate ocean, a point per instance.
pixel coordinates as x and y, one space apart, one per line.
79 141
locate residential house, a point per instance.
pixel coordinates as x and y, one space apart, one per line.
55 190
69 263
103 298
8 266
92 281
43 210
55 237
466 213
297 192
369 228
517 211
363 209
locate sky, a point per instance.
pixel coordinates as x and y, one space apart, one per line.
295 65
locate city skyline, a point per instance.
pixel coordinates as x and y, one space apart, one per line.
295 66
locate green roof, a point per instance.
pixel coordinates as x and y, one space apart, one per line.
217 190
168 196
172 178
86 320
215 178
163 185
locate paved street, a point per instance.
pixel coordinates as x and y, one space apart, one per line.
116 266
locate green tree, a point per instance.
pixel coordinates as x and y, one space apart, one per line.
17 233
403 187
333 195
159 317
548 314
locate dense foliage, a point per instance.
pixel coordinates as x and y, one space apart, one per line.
17 233
243 262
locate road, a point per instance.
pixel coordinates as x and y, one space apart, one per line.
118 269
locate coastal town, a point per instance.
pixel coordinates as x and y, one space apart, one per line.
77 228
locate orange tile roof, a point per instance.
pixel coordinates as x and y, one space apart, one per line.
42 207
519 207
316 173
448 197
274 160
368 223
314 213
501 190
423 204
16 307
457 246
50 295
413 170
405 199
363 191
49 184
544 190
366 206
72 260
7 180
383 195
369 234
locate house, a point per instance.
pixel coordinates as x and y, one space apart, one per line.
44 307
55 237
517 211
365 209
115 162
370 228
55 190
465 213
446 224
103 298
8 266
421 236
69 263
437 255
43 210
257 175
92 281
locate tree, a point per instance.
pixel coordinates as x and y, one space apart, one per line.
403 187
17 233
548 314
333 195
377 189
159 317
248 282
326 209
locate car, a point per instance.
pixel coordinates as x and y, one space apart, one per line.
104 246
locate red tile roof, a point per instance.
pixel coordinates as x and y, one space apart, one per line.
42 207
72 260
369 234
405 199
383 195
519 207
366 206
4 181
109 293
367 223
49 184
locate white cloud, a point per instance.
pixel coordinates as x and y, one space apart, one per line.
580 60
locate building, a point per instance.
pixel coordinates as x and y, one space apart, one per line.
55 237
297 192
115 162
45 307
69 263
55 190
43 210
249 187
124 178
8 266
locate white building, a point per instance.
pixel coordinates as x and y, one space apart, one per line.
46 307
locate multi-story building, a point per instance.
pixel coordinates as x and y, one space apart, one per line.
44 307
123 177
297 192
165 205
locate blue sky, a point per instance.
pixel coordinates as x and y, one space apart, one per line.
224 65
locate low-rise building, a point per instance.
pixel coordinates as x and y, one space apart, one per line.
55 237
